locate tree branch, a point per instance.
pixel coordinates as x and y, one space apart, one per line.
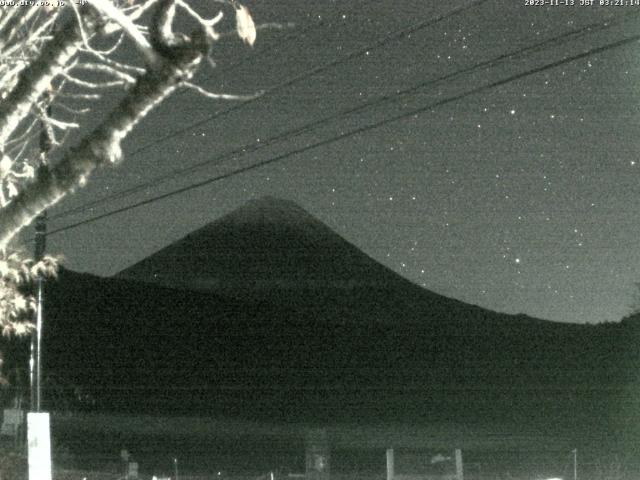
116 15
103 145
36 78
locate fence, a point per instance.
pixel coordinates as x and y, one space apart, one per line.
338 453
407 464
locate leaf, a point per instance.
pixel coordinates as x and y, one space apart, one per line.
22 328
13 275
20 303
38 269
12 191
244 25
28 171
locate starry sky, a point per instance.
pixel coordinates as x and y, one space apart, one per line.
521 197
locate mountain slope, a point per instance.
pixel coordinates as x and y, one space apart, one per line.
322 332
145 348
272 252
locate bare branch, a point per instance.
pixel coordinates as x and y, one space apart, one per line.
23 148
108 51
92 85
108 70
75 111
274 26
206 24
139 10
36 78
103 145
15 23
8 16
219 96
80 96
114 63
162 36
37 65
36 34
60 124
115 46
21 138
110 11
10 77
80 26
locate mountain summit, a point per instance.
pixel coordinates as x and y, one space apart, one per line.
266 245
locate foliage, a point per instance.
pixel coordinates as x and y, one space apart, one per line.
16 273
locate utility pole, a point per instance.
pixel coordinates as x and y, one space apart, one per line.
390 464
35 362
41 238
38 423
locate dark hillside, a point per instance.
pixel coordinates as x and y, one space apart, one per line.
267 313
152 349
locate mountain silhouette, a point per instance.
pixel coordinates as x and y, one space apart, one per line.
267 313
271 251
269 244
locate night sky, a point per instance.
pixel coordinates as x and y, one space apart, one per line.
521 198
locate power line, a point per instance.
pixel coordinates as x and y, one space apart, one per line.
359 130
298 33
379 43
248 148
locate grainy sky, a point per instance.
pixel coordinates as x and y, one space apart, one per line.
521 197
